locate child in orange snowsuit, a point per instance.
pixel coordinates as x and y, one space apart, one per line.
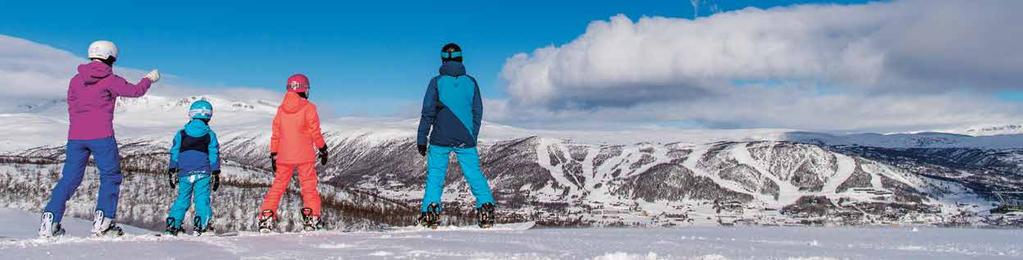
294 143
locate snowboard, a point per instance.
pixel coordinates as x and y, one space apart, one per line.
68 237
518 226
277 233
225 234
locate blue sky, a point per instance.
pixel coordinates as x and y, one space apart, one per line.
364 57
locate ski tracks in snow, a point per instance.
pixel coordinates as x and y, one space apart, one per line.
787 193
692 163
543 152
846 167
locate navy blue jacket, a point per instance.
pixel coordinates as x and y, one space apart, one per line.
452 109
195 149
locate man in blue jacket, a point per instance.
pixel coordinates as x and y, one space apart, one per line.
450 123
195 165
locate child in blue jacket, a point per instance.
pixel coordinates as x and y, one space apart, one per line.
195 165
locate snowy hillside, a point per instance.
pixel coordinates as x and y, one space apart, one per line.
916 140
558 178
44 122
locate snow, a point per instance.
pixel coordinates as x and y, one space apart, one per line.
913 140
787 193
18 229
846 166
155 118
692 161
987 130
45 124
19 224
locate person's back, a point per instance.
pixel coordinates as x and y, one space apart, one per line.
458 108
194 169
297 129
91 97
294 142
450 123
195 148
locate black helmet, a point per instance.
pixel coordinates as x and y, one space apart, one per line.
451 52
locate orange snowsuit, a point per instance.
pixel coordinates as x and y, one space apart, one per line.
296 137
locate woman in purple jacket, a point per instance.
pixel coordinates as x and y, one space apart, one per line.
91 97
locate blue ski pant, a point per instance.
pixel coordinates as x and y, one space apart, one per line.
104 151
437 168
194 186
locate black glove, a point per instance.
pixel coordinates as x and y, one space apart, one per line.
273 162
172 177
422 149
216 180
323 155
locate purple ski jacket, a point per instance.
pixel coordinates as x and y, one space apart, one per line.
91 97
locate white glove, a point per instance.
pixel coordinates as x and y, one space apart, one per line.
153 76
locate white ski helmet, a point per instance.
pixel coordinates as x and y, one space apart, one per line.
102 50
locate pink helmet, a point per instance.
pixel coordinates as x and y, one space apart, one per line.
298 83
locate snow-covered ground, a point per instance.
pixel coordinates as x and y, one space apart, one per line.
18 231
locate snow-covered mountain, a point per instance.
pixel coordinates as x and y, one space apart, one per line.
44 122
986 130
763 176
916 140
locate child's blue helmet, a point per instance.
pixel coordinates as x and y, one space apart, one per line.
201 109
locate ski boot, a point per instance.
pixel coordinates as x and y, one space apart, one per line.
267 221
173 227
310 222
103 226
430 218
200 228
485 215
48 228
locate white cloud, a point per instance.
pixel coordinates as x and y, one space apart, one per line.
890 65
31 71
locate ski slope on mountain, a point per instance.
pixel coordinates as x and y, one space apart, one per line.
660 243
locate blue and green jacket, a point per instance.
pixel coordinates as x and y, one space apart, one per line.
195 149
452 109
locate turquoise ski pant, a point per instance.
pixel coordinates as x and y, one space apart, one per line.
192 186
437 167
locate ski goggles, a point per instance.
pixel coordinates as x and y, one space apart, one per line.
200 113
295 85
450 55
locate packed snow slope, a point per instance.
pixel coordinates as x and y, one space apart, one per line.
558 178
653 243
